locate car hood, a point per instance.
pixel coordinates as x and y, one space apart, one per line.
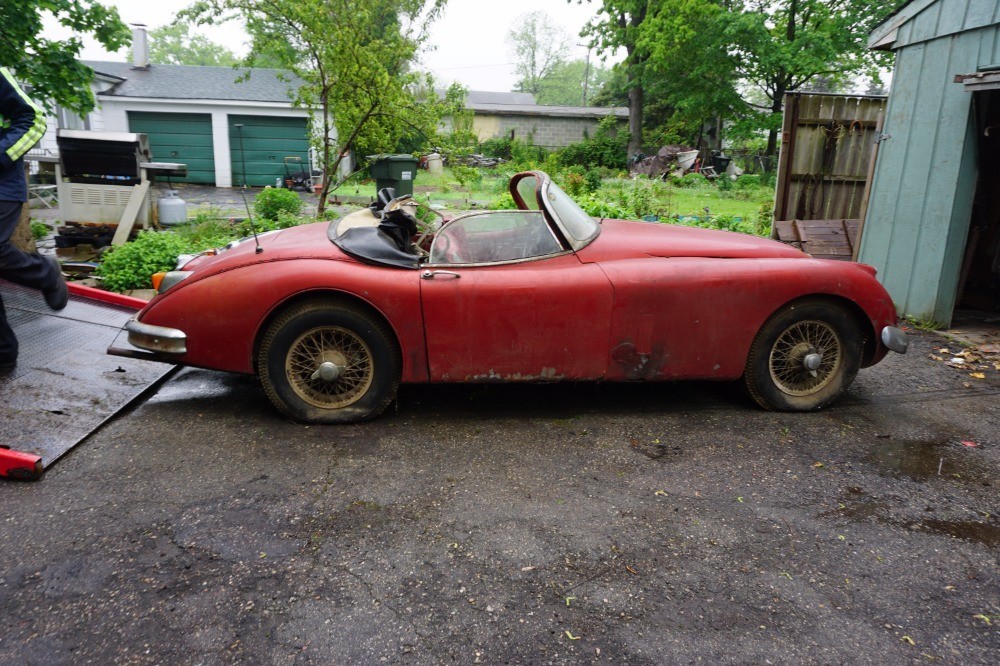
303 242
620 239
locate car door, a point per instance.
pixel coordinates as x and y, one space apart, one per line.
504 300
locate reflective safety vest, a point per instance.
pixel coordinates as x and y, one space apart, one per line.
22 124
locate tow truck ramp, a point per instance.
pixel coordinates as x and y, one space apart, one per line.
64 385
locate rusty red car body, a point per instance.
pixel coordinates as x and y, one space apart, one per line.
334 317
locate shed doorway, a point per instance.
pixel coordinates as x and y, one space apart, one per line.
979 281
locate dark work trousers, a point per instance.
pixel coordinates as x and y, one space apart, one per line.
29 270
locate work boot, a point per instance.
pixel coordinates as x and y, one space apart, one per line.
57 295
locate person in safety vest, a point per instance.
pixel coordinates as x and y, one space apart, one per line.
22 124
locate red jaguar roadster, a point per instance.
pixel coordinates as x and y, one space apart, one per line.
333 317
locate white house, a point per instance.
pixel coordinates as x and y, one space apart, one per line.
223 128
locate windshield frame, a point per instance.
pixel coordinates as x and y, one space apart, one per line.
548 192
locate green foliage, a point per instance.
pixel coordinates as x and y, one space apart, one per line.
468 177
540 46
205 231
620 25
174 44
607 148
599 207
748 181
690 180
39 230
503 201
594 179
497 147
765 218
271 202
132 265
574 182
526 155
563 86
725 183
354 58
51 67
736 59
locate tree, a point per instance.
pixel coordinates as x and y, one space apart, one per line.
782 45
51 68
540 47
564 84
618 24
737 58
173 44
352 57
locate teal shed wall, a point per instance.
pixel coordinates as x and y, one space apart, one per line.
924 182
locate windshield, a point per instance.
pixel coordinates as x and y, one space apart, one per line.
580 226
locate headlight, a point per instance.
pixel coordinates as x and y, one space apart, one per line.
164 281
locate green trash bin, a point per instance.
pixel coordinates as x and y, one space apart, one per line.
395 171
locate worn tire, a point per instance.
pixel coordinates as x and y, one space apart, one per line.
356 352
776 375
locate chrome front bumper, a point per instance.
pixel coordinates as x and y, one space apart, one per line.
895 339
158 339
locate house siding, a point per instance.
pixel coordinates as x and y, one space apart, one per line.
921 199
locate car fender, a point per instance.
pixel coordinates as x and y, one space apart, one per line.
243 299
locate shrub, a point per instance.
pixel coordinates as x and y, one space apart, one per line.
39 230
573 181
503 201
691 180
748 182
608 148
526 155
594 180
725 183
270 202
468 177
205 232
132 265
499 147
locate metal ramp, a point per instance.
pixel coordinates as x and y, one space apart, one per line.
65 385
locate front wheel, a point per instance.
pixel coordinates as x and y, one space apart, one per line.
804 357
327 363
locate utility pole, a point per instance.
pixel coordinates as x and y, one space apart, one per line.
586 76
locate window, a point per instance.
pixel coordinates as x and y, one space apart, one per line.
506 235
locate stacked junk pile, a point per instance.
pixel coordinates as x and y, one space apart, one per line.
678 160
104 186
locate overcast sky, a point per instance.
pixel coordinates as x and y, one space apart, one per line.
468 44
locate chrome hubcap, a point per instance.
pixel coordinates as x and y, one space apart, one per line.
805 358
329 367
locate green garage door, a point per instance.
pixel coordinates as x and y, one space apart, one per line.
179 137
267 141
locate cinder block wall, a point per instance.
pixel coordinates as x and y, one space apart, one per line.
547 132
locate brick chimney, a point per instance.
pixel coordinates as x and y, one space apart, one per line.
140 47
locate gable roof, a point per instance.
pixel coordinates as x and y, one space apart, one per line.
194 82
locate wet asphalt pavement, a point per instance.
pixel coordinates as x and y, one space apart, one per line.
497 524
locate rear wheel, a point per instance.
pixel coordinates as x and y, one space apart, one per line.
804 357
327 363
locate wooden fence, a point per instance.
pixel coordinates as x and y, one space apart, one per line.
828 145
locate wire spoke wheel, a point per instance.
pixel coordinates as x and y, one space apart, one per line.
329 367
322 361
805 357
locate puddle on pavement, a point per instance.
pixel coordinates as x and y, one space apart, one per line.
984 533
923 460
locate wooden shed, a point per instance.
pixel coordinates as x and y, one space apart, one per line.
932 222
